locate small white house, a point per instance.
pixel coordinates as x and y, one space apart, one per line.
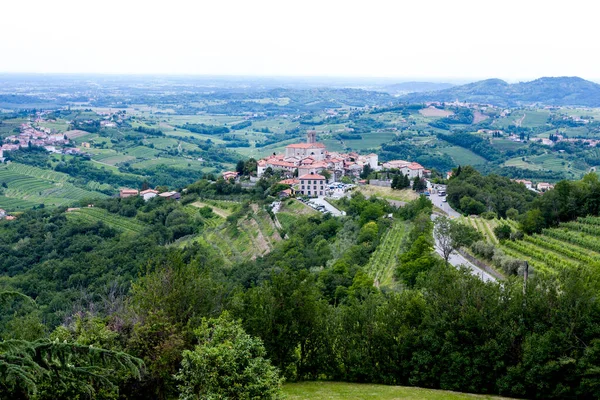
148 194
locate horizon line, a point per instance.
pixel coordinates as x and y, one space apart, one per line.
400 79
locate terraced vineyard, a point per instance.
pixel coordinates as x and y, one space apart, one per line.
30 186
12 204
35 172
383 262
94 214
571 245
253 236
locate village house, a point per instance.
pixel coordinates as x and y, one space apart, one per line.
544 186
528 184
312 185
124 193
148 194
410 169
170 195
2 213
227 175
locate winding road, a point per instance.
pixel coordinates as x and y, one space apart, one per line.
455 258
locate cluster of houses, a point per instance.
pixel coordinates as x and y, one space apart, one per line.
408 168
539 187
312 158
4 215
40 137
149 194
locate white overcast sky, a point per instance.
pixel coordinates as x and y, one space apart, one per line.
444 39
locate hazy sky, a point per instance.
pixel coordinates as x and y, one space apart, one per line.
407 39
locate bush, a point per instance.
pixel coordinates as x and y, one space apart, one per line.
489 215
206 212
512 213
484 249
508 264
503 232
471 206
227 363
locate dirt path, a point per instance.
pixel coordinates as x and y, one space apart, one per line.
520 121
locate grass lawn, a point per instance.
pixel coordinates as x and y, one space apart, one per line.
356 391
388 193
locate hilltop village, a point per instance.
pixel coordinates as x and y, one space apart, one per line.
312 157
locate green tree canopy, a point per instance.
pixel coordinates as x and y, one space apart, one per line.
227 363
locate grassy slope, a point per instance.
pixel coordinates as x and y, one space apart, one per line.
356 391
291 211
123 224
29 185
383 262
388 193
254 235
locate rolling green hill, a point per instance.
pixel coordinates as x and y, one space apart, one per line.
557 91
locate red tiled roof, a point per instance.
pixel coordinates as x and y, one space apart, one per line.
313 176
143 192
282 164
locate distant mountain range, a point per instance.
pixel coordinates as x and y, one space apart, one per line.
415 87
560 91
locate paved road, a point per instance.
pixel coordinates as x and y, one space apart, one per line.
456 259
321 201
438 202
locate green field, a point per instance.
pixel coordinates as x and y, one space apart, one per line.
460 155
504 144
95 214
549 162
384 260
524 118
359 391
58 126
15 204
173 162
141 152
371 140
8 126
